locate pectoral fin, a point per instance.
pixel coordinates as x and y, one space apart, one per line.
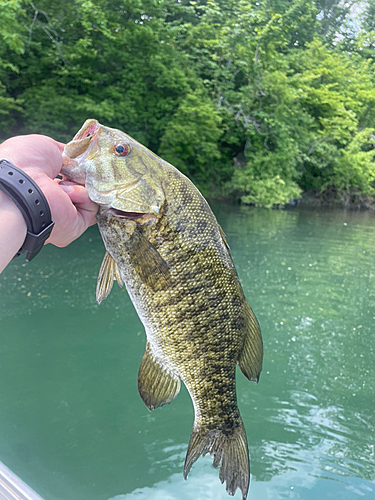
148 263
250 360
109 271
156 386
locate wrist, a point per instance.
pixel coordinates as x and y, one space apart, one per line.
13 230
31 202
10 210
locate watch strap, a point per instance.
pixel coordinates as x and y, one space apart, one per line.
32 203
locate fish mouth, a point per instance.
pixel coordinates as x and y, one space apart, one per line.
84 145
89 129
82 140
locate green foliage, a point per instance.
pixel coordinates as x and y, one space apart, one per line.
267 179
269 192
92 59
190 140
339 94
11 41
256 101
355 166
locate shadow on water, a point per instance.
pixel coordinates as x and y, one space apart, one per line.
73 426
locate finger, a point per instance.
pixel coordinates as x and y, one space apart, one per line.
86 216
77 193
86 209
64 182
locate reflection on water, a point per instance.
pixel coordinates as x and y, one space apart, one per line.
206 486
73 426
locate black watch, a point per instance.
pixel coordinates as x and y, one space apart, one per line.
32 203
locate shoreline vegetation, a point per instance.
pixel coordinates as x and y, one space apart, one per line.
260 102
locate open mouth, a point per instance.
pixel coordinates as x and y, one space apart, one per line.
82 140
88 131
86 134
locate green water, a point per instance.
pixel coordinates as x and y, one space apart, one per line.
74 428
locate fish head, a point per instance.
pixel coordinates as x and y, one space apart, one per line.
117 171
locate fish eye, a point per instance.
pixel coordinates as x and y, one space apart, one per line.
121 149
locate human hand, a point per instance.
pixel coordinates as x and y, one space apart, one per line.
40 158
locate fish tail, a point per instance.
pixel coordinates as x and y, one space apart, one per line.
228 446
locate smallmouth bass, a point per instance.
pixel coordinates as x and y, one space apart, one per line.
164 243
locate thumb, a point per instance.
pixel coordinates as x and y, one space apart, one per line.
86 208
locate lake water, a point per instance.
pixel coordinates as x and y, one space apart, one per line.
73 426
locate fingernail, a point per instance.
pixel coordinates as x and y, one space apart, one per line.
67 189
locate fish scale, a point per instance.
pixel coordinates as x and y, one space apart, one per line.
176 266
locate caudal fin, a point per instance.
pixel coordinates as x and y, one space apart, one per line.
228 446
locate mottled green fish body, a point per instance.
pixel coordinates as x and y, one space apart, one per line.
164 243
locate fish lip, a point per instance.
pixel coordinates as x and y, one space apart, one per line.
90 131
77 147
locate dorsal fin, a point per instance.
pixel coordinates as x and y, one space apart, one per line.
109 271
224 238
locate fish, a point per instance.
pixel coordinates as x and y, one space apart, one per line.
165 245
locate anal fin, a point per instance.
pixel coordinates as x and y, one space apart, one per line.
251 357
109 271
156 386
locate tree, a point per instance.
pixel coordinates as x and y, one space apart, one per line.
254 101
11 42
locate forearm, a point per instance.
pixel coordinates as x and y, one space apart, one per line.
12 230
